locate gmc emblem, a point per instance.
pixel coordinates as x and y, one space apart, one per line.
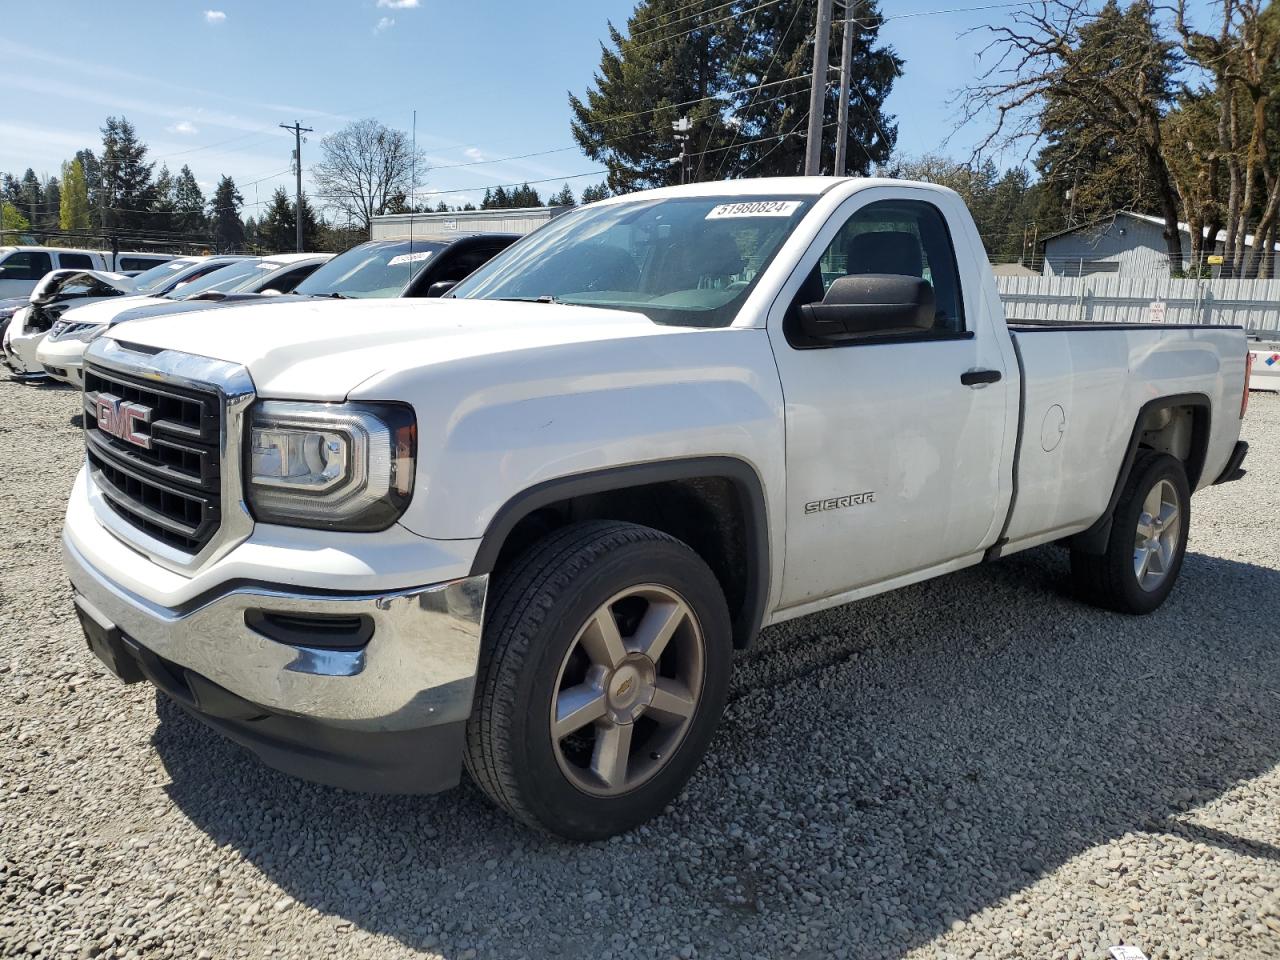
120 418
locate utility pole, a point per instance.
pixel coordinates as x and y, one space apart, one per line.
298 131
681 130
818 90
846 75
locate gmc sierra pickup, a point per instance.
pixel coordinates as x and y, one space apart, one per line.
522 529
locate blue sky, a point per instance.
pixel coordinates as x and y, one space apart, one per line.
207 83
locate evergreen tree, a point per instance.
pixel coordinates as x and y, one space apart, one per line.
595 192
50 205
189 206
30 194
648 79
562 199
251 235
276 227
442 207
127 176
1092 163
73 207
94 187
495 199
224 216
781 47
738 72
312 226
164 208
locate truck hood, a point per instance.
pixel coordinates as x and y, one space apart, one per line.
323 349
108 311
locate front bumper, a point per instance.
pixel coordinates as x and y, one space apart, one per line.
387 715
21 355
63 360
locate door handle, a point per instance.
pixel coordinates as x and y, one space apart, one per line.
977 378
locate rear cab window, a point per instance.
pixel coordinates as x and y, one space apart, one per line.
75 261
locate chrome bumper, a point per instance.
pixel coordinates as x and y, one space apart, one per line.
417 669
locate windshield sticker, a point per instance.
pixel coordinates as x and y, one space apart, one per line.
177 266
270 266
408 258
754 208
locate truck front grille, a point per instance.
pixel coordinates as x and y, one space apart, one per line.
164 475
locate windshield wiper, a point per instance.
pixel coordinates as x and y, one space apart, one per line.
545 298
337 296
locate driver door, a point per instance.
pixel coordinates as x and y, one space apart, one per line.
892 462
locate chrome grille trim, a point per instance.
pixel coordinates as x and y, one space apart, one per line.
160 371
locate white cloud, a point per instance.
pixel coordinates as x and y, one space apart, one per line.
386 23
185 127
397 4
474 153
214 16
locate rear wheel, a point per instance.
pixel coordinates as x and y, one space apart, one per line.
1148 540
604 674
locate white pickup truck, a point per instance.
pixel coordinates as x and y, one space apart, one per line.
524 527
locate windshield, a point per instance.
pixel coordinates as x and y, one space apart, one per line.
220 280
158 278
688 261
377 269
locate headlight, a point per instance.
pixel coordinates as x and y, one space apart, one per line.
344 466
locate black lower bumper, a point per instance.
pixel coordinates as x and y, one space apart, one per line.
426 760
1234 469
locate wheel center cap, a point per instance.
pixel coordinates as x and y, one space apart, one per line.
629 689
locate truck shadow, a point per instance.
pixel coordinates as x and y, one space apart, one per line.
918 757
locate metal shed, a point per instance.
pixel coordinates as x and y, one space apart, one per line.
1125 244
445 226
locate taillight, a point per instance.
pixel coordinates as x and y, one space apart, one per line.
1248 375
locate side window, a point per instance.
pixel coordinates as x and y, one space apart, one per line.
25 265
907 237
75 261
129 264
285 282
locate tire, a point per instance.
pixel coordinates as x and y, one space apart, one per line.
1111 580
547 647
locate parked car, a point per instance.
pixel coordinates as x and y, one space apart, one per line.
526 537
8 308
403 268
61 353
56 292
21 268
1264 356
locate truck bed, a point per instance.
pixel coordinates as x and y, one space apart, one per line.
1084 386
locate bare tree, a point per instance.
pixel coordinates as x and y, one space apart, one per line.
1244 61
1095 73
365 167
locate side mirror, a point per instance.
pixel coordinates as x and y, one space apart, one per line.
271 293
870 305
440 288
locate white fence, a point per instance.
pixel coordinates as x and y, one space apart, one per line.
1252 304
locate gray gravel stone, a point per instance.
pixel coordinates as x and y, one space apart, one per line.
973 767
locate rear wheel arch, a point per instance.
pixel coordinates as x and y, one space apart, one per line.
1159 426
715 504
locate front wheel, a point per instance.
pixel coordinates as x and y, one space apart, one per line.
1148 539
604 673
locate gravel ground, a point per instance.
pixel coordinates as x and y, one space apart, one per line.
974 767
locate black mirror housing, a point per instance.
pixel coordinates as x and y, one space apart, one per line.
870 305
440 288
